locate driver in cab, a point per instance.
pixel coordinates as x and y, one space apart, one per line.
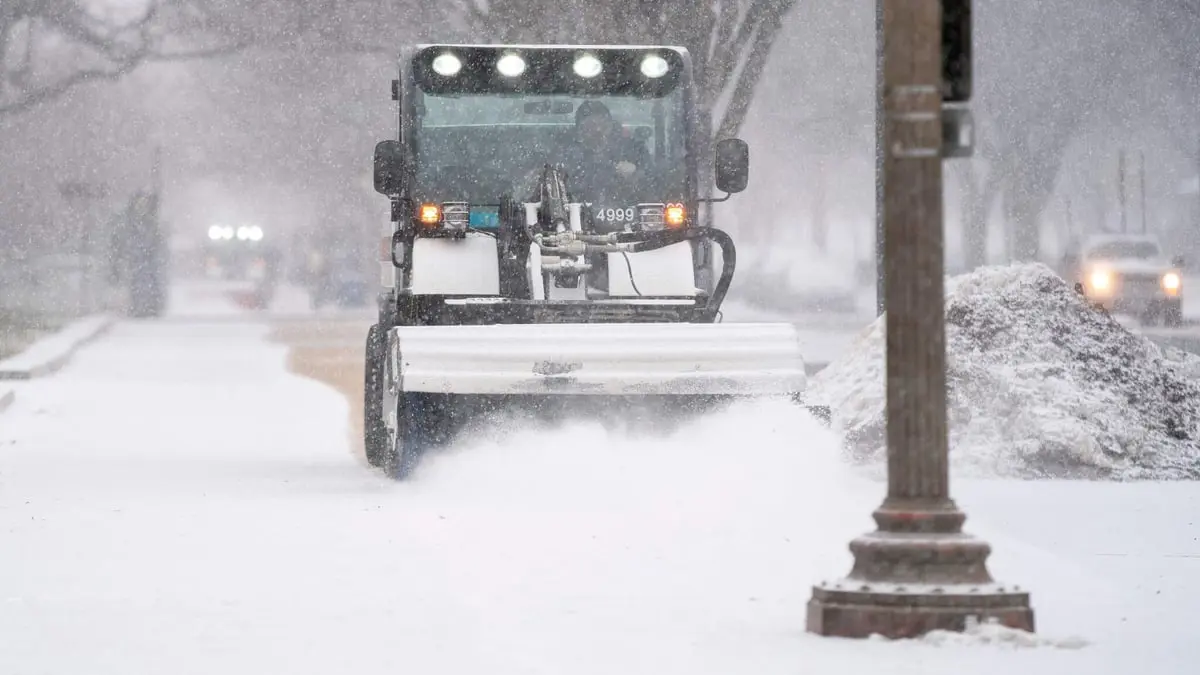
603 159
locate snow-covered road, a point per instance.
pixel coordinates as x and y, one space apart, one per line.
175 501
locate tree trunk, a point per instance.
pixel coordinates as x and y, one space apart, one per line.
819 225
975 235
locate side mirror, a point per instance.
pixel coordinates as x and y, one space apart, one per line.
389 167
732 164
1179 261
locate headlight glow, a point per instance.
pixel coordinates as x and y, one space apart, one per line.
675 215
1100 280
1171 281
430 215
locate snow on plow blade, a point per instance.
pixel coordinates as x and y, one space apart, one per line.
600 359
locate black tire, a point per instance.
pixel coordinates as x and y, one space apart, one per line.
417 430
417 427
375 433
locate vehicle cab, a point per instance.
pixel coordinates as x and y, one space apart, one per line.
480 129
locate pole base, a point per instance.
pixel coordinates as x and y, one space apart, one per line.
854 609
906 584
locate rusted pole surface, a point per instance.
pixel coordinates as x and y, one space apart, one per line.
917 572
913 245
880 270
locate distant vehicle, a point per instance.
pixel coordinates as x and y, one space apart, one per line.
1129 273
234 254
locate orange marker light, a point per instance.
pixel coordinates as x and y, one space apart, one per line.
429 214
674 215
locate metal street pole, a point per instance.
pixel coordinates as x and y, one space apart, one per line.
880 292
918 571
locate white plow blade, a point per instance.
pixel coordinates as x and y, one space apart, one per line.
600 359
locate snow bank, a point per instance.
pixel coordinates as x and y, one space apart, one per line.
1040 385
54 351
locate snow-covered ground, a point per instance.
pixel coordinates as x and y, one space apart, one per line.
205 299
174 501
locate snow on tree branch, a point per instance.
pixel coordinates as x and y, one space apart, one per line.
48 47
729 43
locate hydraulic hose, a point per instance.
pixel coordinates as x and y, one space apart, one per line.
650 241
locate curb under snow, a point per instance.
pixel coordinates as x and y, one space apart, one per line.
50 354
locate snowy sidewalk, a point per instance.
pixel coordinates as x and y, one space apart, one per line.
54 351
174 500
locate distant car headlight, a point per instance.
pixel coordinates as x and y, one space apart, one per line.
1100 280
1171 281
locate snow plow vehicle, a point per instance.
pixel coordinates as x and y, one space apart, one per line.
543 252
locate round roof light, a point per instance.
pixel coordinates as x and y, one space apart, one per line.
654 66
510 65
588 66
447 65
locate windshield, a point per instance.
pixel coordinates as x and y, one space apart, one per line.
1124 250
478 137
477 148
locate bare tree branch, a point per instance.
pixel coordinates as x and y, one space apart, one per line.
739 103
719 39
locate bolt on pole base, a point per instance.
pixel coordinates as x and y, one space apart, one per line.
853 609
